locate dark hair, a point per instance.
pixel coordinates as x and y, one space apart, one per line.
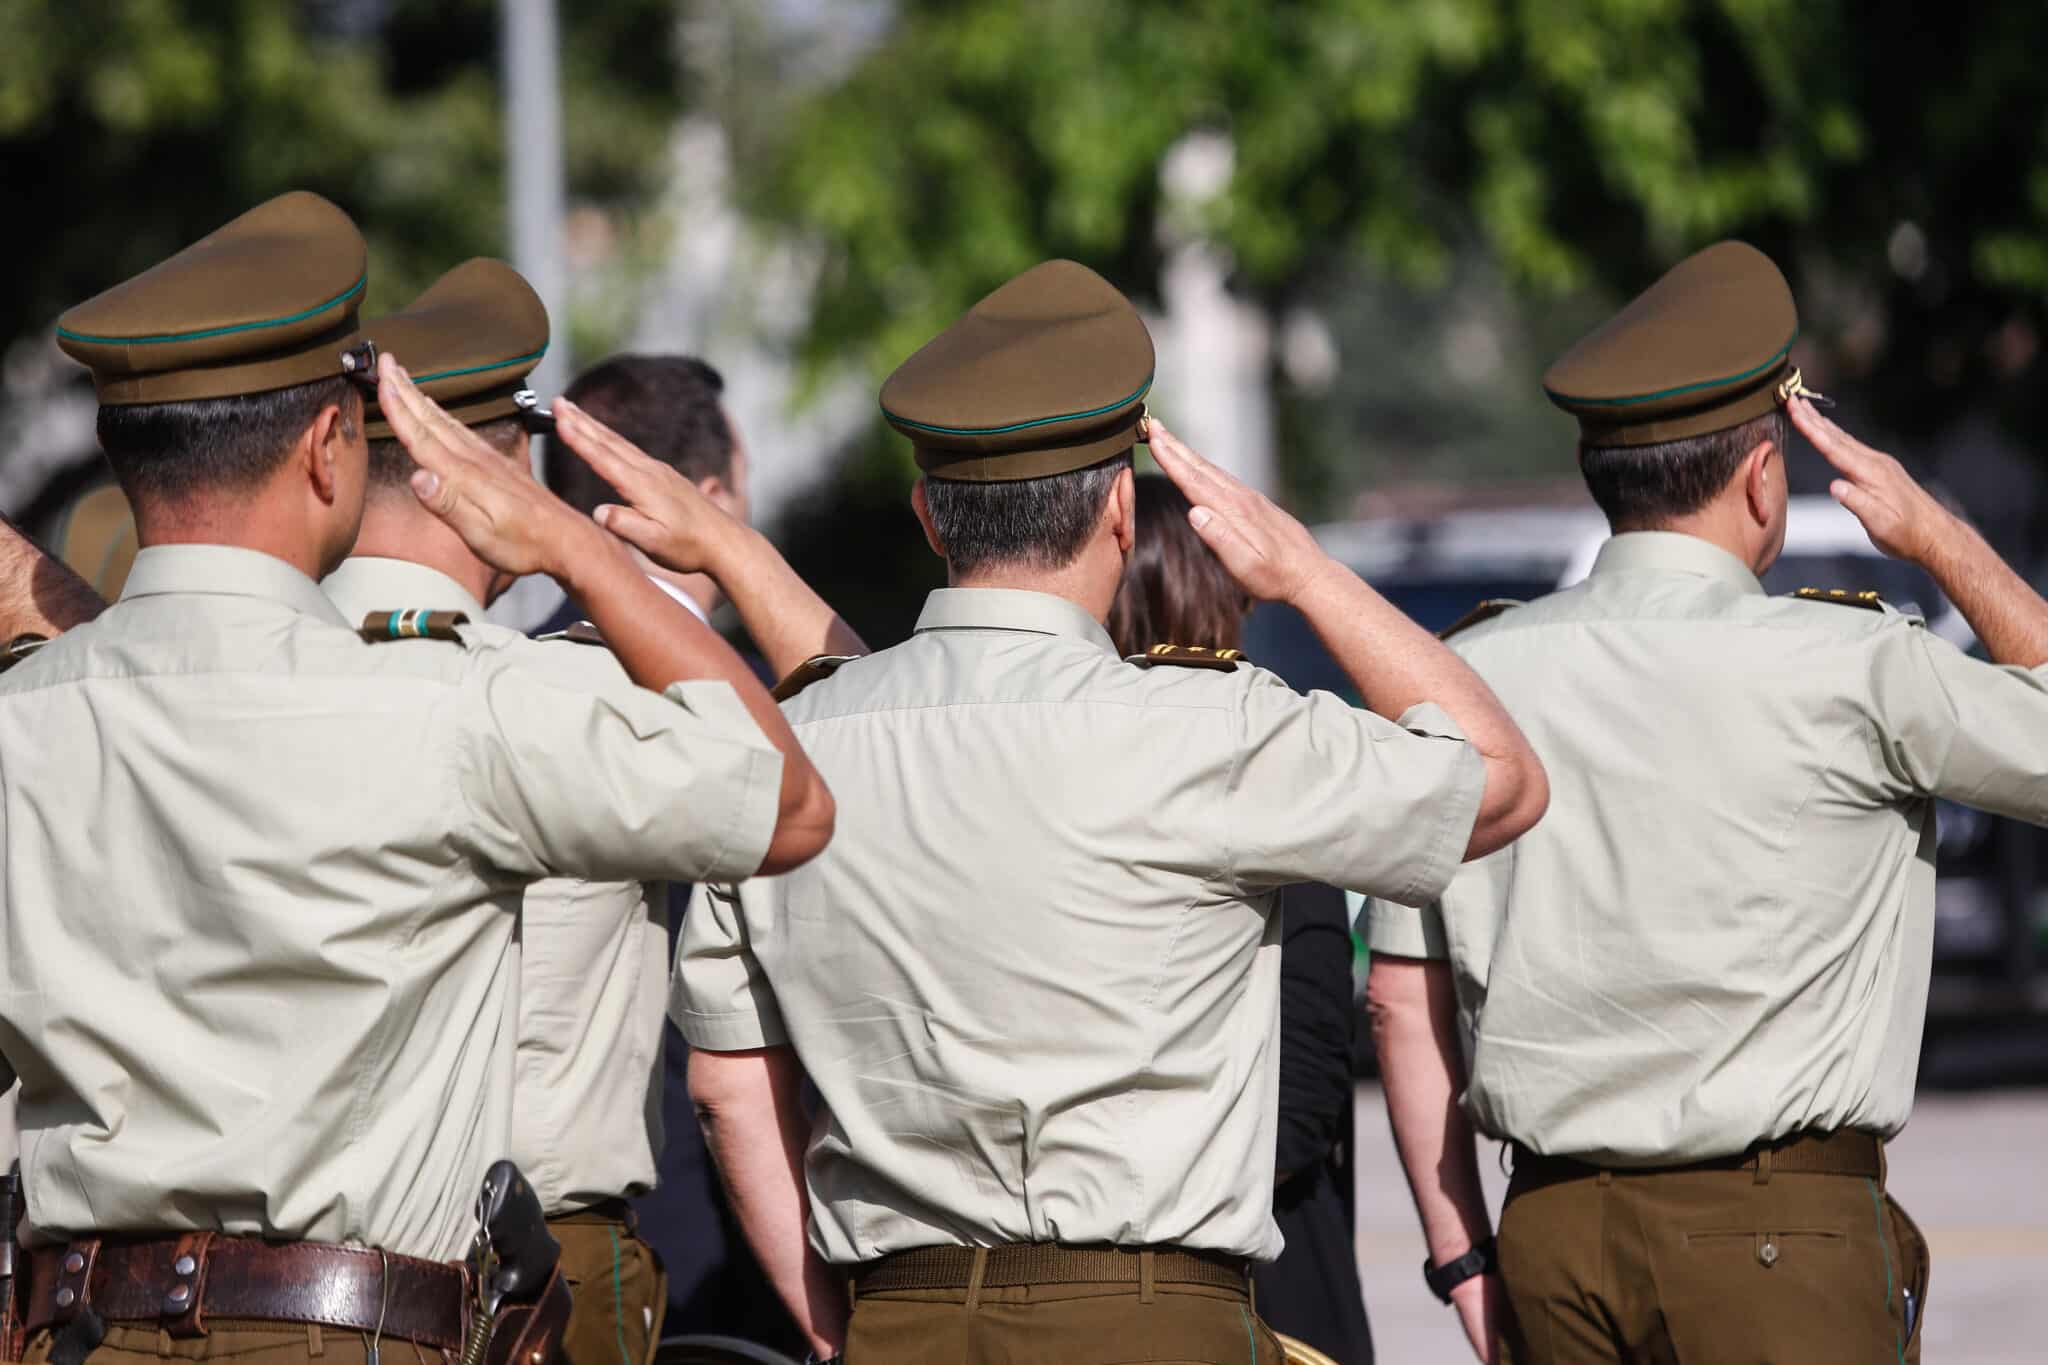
1643 487
1037 523
1175 591
170 450
668 405
391 464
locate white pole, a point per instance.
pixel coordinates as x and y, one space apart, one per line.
533 168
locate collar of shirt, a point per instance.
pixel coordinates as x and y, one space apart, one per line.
383 584
673 591
1011 609
1673 552
226 571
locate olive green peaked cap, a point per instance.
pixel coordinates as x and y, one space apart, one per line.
264 303
1045 375
469 342
1703 349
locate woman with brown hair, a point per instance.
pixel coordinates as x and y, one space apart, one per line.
1175 591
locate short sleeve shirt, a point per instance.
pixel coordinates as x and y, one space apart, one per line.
1721 931
1035 975
258 895
592 955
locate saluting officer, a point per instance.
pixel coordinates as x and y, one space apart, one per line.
1036 979
593 955
261 873
1693 997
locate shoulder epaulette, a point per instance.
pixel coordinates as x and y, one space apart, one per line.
415 623
581 633
1485 611
809 671
19 648
1842 597
1188 656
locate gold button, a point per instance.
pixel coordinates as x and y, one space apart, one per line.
1768 1253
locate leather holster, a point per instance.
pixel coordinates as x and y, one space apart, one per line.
531 1333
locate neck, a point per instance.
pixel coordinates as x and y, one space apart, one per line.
1089 582
1723 526
395 526
253 522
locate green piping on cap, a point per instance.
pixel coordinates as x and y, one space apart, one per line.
347 293
478 369
1022 426
1673 393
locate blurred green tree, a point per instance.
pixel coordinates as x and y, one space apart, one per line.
1893 155
130 127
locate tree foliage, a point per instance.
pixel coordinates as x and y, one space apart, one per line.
1894 156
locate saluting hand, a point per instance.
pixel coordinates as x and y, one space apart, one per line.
1270 554
1904 520
665 515
501 512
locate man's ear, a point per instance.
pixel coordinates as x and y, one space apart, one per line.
1123 509
1757 479
924 519
720 493
321 446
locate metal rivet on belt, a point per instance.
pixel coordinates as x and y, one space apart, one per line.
185 1265
66 1297
179 1293
1768 1252
74 1263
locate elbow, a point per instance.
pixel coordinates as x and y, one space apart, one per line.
803 829
1516 797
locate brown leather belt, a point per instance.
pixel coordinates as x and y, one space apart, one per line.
1849 1151
1027 1263
179 1282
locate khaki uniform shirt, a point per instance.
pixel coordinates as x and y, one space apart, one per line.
1722 930
1035 977
258 895
593 955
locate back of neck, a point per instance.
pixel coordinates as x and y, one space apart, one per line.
246 523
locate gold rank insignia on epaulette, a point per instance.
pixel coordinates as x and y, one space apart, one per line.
19 648
1842 597
1485 611
416 623
1188 656
809 671
581 633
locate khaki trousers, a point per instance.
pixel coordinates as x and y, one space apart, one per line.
245 1343
619 1288
1709 1268
1065 1324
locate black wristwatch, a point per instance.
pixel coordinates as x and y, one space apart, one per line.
811 1358
1442 1279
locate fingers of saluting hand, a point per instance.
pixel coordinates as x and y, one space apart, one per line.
617 460
1842 450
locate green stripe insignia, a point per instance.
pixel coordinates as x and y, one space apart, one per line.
414 623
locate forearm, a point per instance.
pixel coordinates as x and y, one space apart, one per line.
751 1109
788 622
39 594
1414 1026
1396 665
659 641
2008 615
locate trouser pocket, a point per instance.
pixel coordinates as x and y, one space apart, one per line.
1915 1268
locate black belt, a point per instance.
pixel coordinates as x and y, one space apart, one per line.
1848 1151
1029 1263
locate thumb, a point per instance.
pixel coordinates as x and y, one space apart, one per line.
1226 542
428 488
1862 504
630 525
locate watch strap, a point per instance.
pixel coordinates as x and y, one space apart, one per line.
1442 1279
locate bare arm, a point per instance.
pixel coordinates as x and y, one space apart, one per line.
1907 522
751 1107
512 522
1413 1007
670 520
1394 663
39 594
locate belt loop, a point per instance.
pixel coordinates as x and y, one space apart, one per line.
1883 1166
1148 1274
1763 1164
182 1308
1606 1177
975 1277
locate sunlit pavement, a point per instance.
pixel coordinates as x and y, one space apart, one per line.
1972 1170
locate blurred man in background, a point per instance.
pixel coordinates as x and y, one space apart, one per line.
669 407
1693 997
